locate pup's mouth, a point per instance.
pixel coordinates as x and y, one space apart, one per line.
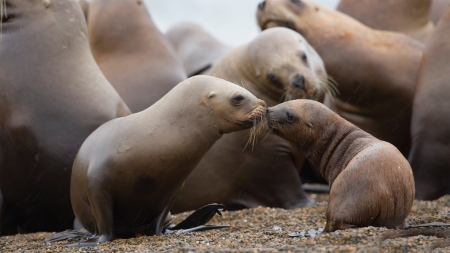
272 123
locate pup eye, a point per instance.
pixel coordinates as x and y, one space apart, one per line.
296 1
290 116
238 100
271 76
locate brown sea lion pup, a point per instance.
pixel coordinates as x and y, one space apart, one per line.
375 70
438 8
132 53
278 64
198 49
430 151
52 96
129 171
371 182
405 16
84 4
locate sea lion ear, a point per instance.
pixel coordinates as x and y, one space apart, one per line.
212 94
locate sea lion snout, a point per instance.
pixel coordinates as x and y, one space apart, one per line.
259 112
298 81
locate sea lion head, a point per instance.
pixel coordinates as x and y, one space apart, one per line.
300 121
293 14
234 107
286 64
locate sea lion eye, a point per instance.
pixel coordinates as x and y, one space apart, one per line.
290 116
296 1
304 57
271 77
238 100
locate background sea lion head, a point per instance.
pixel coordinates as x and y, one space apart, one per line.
294 14
234 107
285 63
300 121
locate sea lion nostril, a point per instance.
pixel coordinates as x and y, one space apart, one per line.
298 81
262 5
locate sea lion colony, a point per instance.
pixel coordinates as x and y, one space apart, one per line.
71 148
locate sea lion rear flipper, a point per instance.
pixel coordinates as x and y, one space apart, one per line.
197 220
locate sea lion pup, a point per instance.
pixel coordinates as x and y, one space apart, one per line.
132 53
430 151
53 95
198 49
278 64
405 16
438 8
129 171
371 182
375 70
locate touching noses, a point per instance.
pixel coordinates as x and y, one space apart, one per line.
262 5
298 81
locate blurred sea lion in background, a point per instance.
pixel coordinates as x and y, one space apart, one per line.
375 70
277 65
52 96
198 49
438 8
132 53
430 127
405 16
84 4
371 182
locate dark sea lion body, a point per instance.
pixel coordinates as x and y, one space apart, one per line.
132 53
371 182
430 127
129 171
52 96
239 175
198 50
375 70
404 16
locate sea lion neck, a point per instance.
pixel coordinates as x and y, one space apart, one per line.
40 16
193 120
328 149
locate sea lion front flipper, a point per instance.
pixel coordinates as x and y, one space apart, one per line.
197 220
68 234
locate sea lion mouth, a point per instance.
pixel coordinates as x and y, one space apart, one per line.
256 115
277 23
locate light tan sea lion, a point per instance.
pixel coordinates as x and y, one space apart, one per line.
129 171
